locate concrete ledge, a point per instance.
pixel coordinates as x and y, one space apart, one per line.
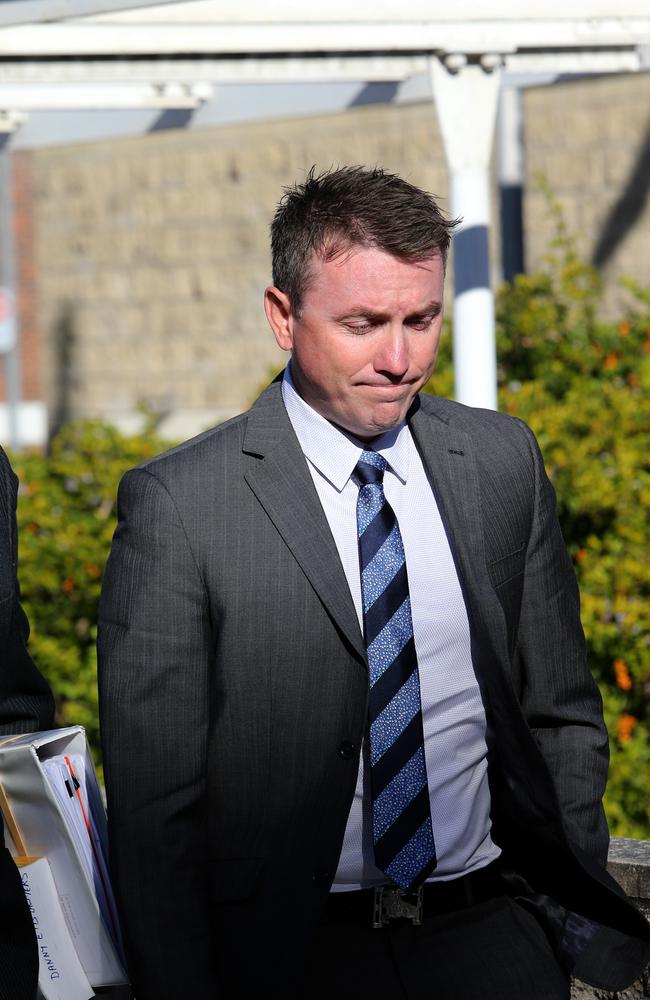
629 864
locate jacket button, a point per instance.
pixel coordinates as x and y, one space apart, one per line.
347 750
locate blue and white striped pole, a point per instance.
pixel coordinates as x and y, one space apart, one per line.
466 100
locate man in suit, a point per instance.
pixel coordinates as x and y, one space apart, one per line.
26 704
352 746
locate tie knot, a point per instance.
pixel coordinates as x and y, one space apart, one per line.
369 469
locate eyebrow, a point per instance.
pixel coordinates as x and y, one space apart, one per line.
368 313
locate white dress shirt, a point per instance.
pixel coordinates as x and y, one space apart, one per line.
453 717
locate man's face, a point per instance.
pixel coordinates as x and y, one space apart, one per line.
366 339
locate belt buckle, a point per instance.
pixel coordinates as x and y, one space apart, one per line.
393 903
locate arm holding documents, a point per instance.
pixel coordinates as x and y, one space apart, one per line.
25 704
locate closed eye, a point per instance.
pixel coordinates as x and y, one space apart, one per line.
360 328
420 323
363 323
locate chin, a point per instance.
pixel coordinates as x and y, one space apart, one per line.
378 428
379 423
390 417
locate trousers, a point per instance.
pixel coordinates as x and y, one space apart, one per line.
494 950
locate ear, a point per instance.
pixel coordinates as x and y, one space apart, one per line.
279 313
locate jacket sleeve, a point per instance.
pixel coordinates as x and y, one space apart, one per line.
26 702
559 696
154 654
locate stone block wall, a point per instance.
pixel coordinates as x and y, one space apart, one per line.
590 140
143 260
152 254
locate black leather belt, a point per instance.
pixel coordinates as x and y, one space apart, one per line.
381 906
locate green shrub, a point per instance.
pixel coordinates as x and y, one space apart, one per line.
66 518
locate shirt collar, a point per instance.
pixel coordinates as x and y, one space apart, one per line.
333 452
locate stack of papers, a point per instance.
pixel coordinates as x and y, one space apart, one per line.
55 812
60 973
76 797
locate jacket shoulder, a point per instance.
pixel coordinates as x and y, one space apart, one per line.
8 478
8 489
489 428
225 443
469 417
197 451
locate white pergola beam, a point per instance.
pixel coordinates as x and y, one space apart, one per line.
106 39
97 97
292 11
328 69
241 70
34 11
578 61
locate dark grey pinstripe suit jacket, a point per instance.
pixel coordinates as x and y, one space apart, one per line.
232 668
25 705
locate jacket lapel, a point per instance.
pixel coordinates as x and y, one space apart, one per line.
449 459
282 483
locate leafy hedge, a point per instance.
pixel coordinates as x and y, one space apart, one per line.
581 382
66 518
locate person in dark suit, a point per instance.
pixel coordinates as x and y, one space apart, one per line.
352 746
26 704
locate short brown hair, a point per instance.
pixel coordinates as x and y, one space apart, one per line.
352 206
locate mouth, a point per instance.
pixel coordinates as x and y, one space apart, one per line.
406 384
389 389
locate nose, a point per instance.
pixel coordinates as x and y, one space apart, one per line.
392 358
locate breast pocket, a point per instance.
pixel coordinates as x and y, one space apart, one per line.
508 566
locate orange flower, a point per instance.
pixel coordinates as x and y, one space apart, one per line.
581 555
623 328
626 726
610 361
623 678
68 585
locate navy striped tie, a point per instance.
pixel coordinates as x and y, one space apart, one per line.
401 817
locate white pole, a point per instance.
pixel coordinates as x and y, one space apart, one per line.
466 100
8 271
510 173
